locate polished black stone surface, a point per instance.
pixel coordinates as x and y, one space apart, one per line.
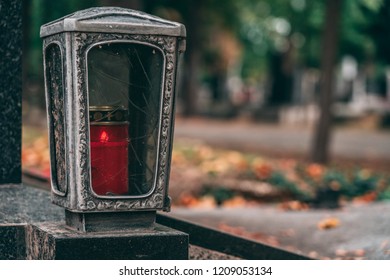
10 91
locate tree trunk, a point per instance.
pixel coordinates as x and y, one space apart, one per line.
322 137
190 83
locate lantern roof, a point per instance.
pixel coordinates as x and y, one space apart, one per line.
113 20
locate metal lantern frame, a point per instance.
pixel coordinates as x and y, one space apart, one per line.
66 43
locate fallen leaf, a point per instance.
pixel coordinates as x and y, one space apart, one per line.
288 232
341 252
233 230
206 202
384 244
293 205
359 253
187 200
366 198
315 171
328 223
237 201
263 170
240 231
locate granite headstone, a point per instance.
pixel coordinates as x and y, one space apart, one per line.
10 91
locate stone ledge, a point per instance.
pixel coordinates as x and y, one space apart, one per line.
56 241
20 205
25 204
199 253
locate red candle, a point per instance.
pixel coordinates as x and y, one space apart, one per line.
109 157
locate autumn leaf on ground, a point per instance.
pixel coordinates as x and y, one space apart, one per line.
237 201
328 223
343 254
315 171
313 255
207 202
366 198
359 253
240 231
384 244
293 205
189 200
262 169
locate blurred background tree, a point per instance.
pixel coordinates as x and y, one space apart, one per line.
330 39
254 57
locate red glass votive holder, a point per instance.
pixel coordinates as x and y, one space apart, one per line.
109 139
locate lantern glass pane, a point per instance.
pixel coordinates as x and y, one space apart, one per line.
55 87
124 89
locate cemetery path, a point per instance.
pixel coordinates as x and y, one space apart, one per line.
350 144
352 232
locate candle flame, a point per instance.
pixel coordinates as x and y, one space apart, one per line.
104 137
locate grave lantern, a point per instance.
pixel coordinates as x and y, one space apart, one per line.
110 89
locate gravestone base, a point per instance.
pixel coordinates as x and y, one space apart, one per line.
21 205
12 246
57 241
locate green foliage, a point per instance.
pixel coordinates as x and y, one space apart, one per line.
268 26
220 194
353 40
363 182
41 12
384 195
378 29
373 5
358 183
336 180
278 179
350 184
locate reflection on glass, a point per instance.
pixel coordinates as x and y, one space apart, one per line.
124 84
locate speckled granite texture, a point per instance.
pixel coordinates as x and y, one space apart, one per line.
10 90
28 221
56 241
24 204
20 205
199 253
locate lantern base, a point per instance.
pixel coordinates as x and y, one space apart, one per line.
56 241
109 221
